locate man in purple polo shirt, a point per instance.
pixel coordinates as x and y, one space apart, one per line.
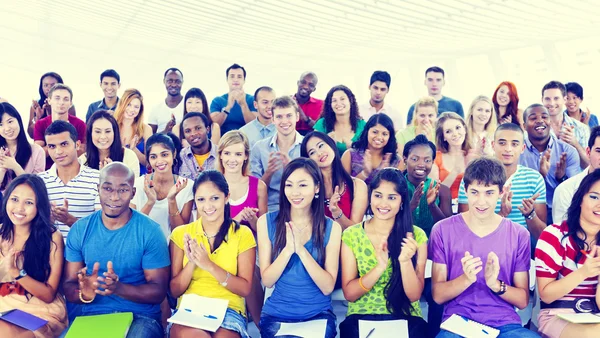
310 108
481 260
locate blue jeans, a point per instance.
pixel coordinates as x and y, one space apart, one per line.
434 310
141 327
270 325
506 331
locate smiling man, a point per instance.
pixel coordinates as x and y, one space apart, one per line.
269 156
166 114
201 153
310 107
110 82
262 126
554 159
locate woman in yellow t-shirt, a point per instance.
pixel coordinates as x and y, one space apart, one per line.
213 257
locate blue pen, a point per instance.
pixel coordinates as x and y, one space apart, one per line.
188 310
210 317
466 320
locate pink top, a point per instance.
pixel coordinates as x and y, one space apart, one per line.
250 200
36 164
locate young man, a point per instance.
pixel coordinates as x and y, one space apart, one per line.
235 108
481 260
310 107
61 99
379 86
524 198
434 81
563 195
269 156
544 152
201 154
571 131
117 259
164 116
262 126
72 187
110 82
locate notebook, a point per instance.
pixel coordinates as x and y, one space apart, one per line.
580 318
312 328
200 312
101 326
383 328
468 328
23 319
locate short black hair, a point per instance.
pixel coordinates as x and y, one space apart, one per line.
265 88
594 133
575 88
110 73
173 69
235 66
526 111
59 127
555 85
509 126
419 140
485 170
383 76
435 69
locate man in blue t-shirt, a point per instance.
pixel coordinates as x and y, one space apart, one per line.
434 80
117 259
236 108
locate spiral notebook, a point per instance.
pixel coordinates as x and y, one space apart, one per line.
468 328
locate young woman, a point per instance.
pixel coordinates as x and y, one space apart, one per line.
573 104
568 265
345 196
195 102
506 104
299 250
17 155
41 108
383 260
213 257
134 132
481 123
31 258
431 201
104 144
163 195
375 149
248 198
340 118
452 142
425 117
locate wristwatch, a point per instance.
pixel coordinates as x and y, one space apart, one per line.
502 289
224 284
530 216
225 111
22 274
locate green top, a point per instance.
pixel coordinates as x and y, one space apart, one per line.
422 215
373 302
407 134
342 147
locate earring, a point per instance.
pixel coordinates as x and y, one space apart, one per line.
317 195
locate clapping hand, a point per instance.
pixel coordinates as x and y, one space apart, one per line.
408 249
471 266
107 285
492 270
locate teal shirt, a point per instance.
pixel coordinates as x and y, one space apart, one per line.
342 147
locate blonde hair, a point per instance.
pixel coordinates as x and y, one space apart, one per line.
138 123
426 101
490 126
440 143
230 138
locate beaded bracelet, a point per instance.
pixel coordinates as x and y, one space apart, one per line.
83 300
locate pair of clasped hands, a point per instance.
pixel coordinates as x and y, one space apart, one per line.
473 265
408 249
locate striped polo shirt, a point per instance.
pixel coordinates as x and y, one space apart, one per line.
525 183
81 192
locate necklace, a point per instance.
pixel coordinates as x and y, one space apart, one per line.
211 236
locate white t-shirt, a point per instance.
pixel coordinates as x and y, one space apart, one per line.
366 111
160 210
161 114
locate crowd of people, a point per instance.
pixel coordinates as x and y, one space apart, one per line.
135 207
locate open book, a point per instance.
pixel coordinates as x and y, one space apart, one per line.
200 312
468 328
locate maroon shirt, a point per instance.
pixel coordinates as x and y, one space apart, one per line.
312 108
41 125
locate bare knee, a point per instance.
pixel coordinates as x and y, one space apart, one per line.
180 331
224 333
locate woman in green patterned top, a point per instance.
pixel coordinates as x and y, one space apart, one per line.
431 201
383 260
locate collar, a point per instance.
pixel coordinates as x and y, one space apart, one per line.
102 104
568 119
261 126
310 99
551 142
188 153
53 171
297 141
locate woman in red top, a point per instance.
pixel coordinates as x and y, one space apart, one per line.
345 196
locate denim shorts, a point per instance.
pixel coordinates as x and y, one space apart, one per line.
269 326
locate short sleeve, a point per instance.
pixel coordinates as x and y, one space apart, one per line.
349 235
459 109
523 262
462 193
540 188
250 102
549 253
573 165
177 235
419 235
156 252
255 162
73 247
320 126
216 105
436 251
247 240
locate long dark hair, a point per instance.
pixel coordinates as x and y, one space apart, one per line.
198 93
329 115
36 251
391 146
317 208
43 96
338 174
397 300
220 182
169 141
23 153
574 214
115 151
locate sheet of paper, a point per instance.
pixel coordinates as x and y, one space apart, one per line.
580 318
428 267
383 328
200 312
468 328
313 328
